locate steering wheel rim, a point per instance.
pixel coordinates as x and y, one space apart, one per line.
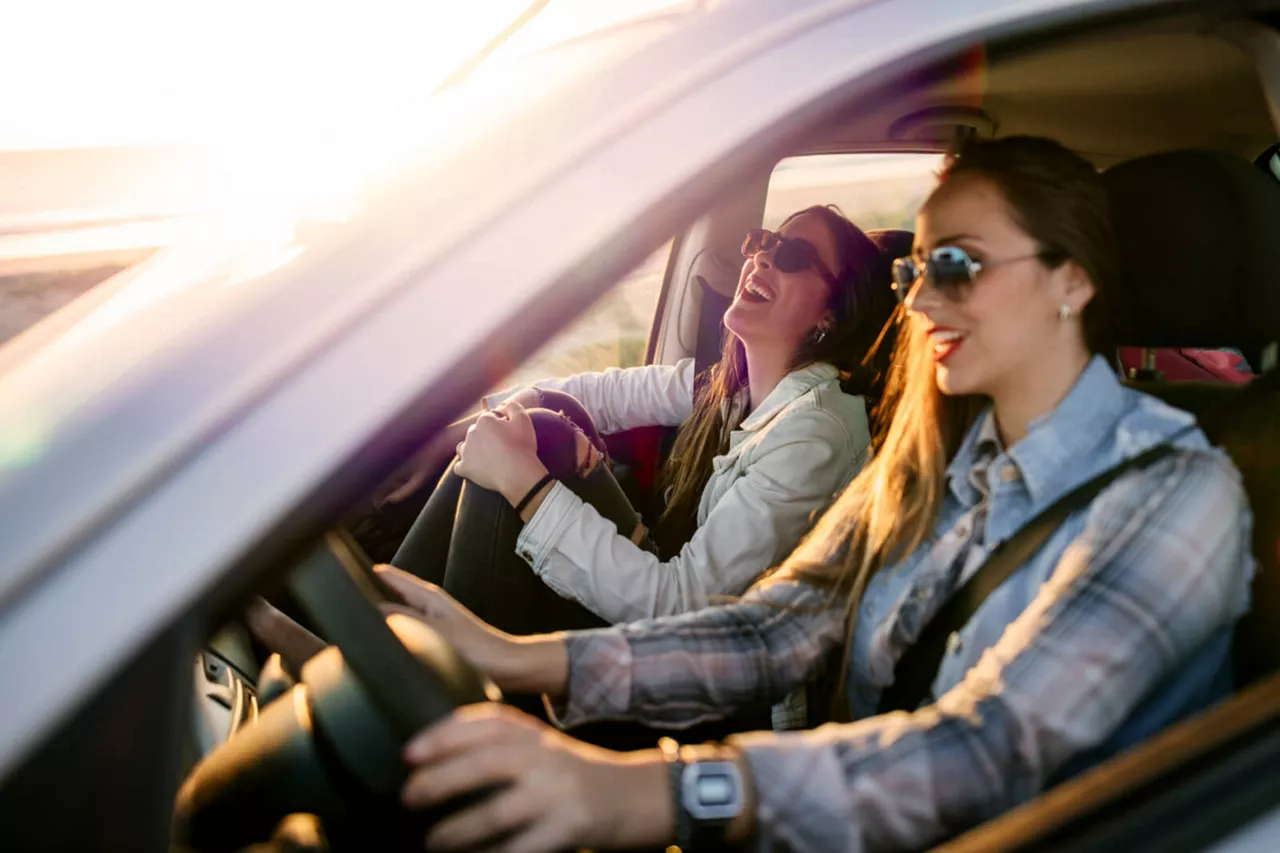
331 746
336 588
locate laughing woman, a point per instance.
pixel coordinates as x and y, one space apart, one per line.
530 530
1119 624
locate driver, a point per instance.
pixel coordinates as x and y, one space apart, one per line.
1119 625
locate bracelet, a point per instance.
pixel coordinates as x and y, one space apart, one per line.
533 493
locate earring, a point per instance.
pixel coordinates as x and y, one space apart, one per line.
1064 312
819 334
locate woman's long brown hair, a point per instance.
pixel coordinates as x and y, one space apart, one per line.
861 303
891 507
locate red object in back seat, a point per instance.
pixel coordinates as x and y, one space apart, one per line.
648 457
1206 365
640 449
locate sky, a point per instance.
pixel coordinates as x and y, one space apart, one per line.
83 73
233 104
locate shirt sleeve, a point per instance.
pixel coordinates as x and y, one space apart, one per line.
1162 564
801 463
682 670
624 398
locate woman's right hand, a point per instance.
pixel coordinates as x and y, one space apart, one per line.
426 462
528 398
516 664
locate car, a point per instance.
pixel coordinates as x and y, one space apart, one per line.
184 436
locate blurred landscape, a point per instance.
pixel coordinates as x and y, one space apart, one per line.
71 219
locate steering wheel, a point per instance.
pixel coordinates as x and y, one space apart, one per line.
331 747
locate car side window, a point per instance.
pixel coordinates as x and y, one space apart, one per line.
874 190
613 332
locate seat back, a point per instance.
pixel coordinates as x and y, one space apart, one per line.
1247 426
1201 266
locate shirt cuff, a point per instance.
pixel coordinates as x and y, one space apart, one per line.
539 536
802 792
599 683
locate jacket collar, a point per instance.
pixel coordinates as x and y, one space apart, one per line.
794 385
1076 427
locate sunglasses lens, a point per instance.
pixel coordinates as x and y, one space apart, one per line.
758 240
792 256
950 267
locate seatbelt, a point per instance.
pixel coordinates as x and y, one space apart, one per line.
917 669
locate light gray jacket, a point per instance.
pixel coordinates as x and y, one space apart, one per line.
801 445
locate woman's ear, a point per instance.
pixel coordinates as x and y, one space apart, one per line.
1076 287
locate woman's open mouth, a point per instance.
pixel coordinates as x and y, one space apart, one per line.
945 342
756 290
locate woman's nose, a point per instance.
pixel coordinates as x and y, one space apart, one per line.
763 259
921 296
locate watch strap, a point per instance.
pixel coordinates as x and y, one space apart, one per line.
675 774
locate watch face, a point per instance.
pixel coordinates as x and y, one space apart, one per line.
713 790
716 790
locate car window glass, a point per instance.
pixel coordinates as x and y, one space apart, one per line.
873 190
613 332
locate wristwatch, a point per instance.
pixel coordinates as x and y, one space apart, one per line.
707 795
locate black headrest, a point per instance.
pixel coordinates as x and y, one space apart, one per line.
893 243
1199 242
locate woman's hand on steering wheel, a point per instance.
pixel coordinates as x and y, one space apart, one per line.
522 664
553 792
279 633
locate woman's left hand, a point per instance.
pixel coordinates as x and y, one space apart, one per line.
551 792
501 452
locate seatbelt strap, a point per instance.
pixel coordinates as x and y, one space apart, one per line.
917 669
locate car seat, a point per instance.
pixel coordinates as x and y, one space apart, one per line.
1200 262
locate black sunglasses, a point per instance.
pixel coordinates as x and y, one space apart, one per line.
791 254
949 269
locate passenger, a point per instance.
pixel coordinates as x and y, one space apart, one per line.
770 440
1118 626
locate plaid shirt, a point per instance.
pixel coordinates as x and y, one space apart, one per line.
1119 626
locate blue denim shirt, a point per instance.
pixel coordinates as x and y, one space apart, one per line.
1119 626
1098 425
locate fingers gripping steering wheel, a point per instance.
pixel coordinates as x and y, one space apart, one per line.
331 746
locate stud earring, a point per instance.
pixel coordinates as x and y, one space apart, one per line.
1064 312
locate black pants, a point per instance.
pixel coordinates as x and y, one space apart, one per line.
464 540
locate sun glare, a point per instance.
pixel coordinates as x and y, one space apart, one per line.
286 105
282 90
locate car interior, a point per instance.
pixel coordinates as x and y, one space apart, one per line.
1173 111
